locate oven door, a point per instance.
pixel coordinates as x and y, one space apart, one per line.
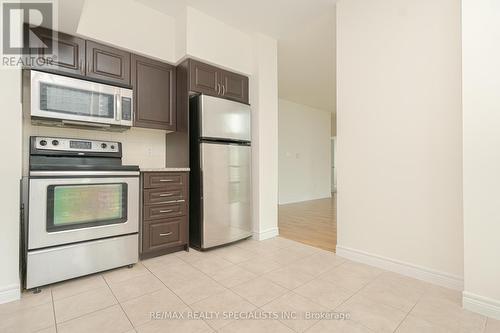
70 207
74 100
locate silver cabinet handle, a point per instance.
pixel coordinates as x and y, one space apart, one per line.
172 201
166 211
166 194
166 180
223 90
218 88
166 234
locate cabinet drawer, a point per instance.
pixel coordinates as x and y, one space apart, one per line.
175 208
163 179
164 233
164 194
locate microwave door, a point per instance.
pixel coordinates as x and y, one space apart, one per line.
64 98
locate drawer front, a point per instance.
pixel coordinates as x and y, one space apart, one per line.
164 179
175 208
164 194
164 234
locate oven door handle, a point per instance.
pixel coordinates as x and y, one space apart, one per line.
83 173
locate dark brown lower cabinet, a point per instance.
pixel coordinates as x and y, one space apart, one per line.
165 206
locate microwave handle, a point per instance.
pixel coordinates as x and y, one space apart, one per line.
118 107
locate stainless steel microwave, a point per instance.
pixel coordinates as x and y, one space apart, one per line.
74 102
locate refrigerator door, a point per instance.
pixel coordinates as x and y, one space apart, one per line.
226 193
223 119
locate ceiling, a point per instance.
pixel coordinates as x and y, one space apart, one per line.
305 30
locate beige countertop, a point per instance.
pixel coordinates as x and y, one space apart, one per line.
163 169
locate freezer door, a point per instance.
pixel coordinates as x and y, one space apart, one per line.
223 119
226 193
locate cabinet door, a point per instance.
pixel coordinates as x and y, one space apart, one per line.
235 87
68 51
154 93
107 63
163 234
204 78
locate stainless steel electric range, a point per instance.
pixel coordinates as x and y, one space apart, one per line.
82 209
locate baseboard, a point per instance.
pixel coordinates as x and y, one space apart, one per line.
10 293
266 234
483 305
403 268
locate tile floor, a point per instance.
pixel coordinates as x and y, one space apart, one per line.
275 277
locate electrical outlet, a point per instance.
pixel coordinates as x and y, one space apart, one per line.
150 151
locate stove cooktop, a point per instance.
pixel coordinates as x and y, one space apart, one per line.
47 167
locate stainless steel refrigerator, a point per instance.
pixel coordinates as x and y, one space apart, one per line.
220 162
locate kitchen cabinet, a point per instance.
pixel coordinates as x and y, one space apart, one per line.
235 87
77 56
204 78
154 93
164 217
68 51
107 63
210 80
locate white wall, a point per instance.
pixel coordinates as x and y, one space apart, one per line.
10 134
264 101
130 25
399 131
304 152
212 40
481 154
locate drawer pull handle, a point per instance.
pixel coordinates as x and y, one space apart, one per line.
166 211
166 234
166 180
166 194
172 201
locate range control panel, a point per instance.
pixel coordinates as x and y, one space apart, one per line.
76 145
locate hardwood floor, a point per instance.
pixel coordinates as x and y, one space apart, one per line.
310 222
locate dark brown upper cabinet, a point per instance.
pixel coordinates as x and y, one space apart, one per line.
154 93
210 80
204 78
69 52
107 63
235 87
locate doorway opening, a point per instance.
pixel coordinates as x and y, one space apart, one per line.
308 184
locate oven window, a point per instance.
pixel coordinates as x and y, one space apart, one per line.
83 205
74 101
